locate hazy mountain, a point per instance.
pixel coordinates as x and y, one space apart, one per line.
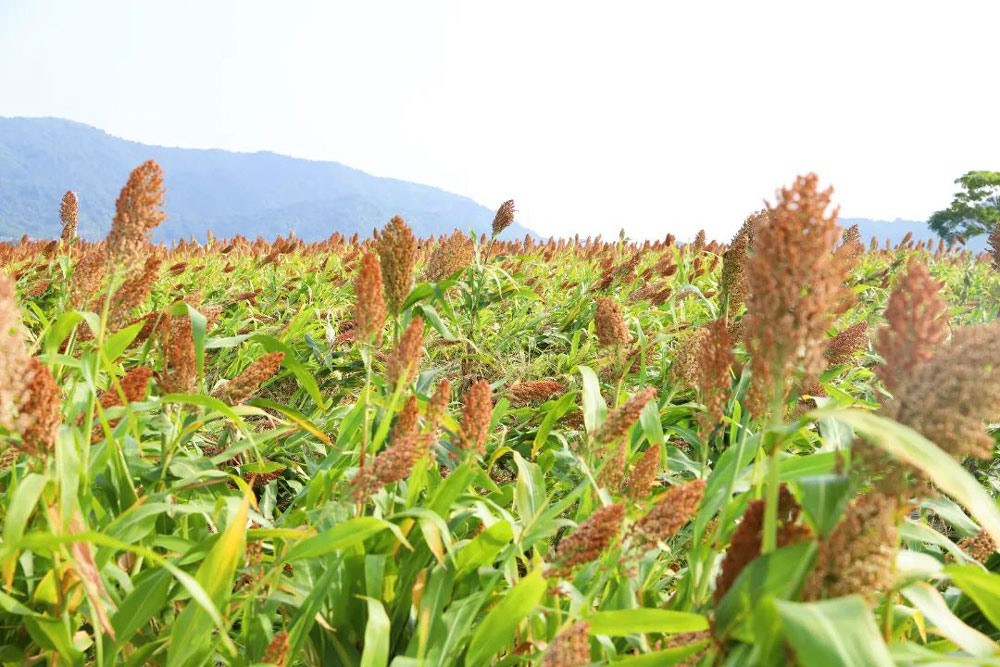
897 229
230 193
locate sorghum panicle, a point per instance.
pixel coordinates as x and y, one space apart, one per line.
405 359
41 408
533 392
613 473
841 348
68 212
276 653
916 325
610 325
249 381
397 252
88 276
622 418
452 254
979 547
674 509
715 359
138 211
570 648
640 482
133 385
591 538
860 554
733 282
796 289
745 544
14 358
504 217
180 370
950 398
370 310
133 292
475 425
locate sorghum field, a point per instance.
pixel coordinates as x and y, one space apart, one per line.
462 451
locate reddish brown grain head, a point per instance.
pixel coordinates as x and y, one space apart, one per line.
369 310
796 289
249 381
846 344
859 555
138 211
592 537
533 392
745 544
40 410
276 653
733 282
640 482
133 292
715 359
68 212
569 648
950 398
916 325
474 428
397 252
504 217
674 509
180 369
624 417
88 276
402 364
610 325
451 255
133 386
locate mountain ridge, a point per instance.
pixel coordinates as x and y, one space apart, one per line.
230 192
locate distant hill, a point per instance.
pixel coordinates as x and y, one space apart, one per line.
897 229
229 193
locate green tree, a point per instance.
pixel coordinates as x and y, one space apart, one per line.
974 210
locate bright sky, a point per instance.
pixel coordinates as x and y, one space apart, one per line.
653 116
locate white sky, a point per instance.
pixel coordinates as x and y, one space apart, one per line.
654 116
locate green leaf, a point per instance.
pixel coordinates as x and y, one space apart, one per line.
22 504
649 419
498 628
562 406
664 658
215 574
145 600
619 622
340 537
119 341
824 498
928 600
595 410
529 493
376 651
841 630
302 374
431 317
982 586
909 446
484 547
777 574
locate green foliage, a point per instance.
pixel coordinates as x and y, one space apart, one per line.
974 210
184 530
